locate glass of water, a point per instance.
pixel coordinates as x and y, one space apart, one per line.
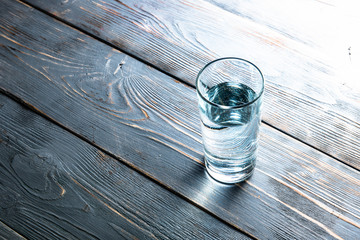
230 95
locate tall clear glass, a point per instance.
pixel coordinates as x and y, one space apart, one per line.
230 95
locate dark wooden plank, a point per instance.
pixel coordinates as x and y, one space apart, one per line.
7 233
311 87
55 186
151 122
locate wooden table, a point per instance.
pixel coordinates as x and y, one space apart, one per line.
99 127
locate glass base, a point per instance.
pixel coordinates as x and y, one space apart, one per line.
230 176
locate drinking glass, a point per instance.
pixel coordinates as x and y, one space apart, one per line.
230 95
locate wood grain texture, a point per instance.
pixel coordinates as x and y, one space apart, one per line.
7 233
55 186
312 92
150 122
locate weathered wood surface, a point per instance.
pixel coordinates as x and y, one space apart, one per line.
151 123
55 186
6 233
311 69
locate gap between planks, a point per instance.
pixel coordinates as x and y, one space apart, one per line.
14 234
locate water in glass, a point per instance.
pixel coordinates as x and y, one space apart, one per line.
230 134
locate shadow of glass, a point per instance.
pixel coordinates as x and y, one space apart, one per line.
208 192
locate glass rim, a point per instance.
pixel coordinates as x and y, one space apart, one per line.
224 106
